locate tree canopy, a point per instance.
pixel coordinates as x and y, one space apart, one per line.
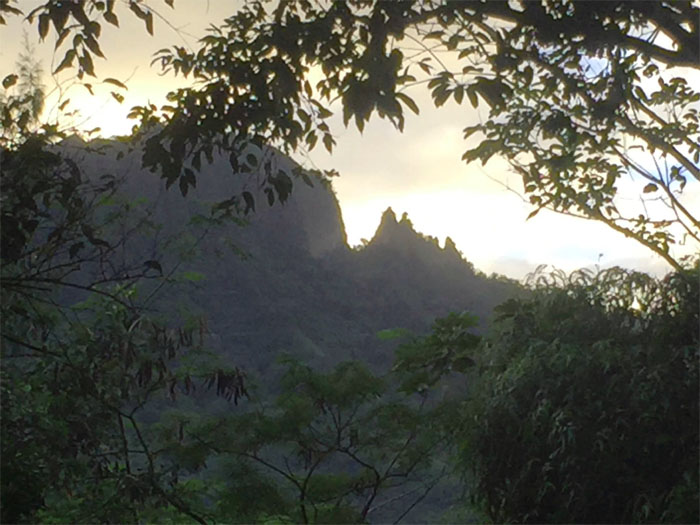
586 407
588 101
582 96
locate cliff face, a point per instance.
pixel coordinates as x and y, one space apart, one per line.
287 281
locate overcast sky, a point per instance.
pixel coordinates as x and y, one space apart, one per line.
419 171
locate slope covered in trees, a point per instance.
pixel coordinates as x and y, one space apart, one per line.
528 403
287 280
147 297
124 313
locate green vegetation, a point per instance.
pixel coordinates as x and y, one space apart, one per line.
586 405
582 406
331 448
83 352
578 404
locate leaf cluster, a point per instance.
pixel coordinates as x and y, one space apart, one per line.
568 88
82 355
586 409
333 447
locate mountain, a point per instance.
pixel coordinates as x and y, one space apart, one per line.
288 281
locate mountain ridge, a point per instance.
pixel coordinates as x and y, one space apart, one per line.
288 281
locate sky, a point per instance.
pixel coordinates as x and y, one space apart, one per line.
418 171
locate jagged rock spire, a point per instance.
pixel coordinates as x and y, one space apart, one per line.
388 216
390 230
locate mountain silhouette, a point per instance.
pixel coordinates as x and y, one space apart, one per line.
287 281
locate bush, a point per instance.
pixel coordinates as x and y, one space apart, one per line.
587 408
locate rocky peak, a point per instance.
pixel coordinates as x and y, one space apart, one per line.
451 247
392 231
388 219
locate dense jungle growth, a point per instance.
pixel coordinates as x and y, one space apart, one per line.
574 400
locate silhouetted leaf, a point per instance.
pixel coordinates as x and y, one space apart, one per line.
67 61
43 25
111 18
9 81
249 201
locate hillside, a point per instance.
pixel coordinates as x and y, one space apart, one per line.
288 281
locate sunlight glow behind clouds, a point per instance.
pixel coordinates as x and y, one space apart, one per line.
419 171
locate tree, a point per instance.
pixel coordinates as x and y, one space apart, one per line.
336 447
582 406
571 92
29 73
83 353
566 107
586 407
87 361
581 95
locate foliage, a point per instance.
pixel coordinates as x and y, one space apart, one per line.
449 347
587 409
82 354
75 382
577 114
332 448
571 90
89 367
30 106
563 117
571 93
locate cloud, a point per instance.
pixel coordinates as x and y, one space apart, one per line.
419 171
